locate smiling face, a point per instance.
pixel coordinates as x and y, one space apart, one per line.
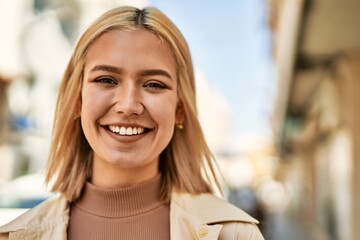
129 105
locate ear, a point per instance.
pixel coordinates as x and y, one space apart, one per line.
180 114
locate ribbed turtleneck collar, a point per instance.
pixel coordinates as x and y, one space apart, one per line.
123 202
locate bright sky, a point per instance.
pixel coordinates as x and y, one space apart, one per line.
230 44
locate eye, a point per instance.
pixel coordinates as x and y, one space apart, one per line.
106 80
155 85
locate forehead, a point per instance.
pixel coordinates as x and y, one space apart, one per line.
129 39
140 47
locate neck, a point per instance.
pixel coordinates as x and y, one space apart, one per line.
121 202
107 175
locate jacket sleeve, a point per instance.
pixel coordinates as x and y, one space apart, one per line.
248 231
240 231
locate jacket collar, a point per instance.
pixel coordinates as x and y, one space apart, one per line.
35 224
205 206
192 216
204 214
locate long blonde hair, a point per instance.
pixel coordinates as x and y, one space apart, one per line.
183 161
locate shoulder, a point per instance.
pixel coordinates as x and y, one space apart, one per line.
210 208
44 213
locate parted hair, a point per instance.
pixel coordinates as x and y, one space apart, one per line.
186 164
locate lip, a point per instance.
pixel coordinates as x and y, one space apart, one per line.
123 124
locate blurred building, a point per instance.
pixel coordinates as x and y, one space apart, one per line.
316 117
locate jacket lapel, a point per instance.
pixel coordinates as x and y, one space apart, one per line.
202 216
49 220
199 217
183 225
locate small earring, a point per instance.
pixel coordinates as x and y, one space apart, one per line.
180 126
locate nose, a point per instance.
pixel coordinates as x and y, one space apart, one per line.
128 100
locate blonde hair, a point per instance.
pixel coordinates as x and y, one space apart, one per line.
183 161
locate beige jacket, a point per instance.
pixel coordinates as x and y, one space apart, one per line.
201 217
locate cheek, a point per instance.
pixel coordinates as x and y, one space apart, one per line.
164 111
93 103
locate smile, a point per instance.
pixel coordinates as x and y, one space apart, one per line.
126 131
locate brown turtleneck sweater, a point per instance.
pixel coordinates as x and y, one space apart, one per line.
126 213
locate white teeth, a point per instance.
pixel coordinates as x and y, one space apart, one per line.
126 131
122 131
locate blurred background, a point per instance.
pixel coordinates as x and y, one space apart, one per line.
278 86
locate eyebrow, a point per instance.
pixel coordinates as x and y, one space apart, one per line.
155 72
143 73
107 68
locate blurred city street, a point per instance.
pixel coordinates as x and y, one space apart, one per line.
281 226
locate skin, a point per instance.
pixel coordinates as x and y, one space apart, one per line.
130 80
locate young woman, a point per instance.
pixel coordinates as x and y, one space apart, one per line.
128 156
